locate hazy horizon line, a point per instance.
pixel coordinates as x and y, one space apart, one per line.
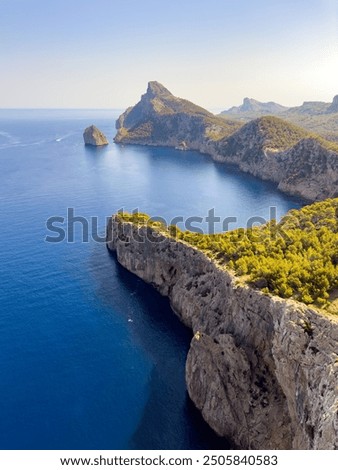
215 110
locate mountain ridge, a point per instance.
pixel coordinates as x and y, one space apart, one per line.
251 105
315 116
298 161
160 115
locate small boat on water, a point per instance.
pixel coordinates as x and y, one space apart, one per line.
182 146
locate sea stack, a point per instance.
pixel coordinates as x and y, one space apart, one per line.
93 136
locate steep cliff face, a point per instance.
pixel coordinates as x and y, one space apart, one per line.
262 370
268 147
258 147
160 118
300 164
93 136
309 169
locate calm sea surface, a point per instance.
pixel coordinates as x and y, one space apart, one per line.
90 356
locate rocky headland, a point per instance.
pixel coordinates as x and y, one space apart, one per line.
299 162
261 369
93 136
161 118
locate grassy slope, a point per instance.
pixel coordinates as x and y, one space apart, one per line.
282 134
273 132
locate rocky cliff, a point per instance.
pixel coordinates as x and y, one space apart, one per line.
268 147
93 136
274 150
261 370
161 118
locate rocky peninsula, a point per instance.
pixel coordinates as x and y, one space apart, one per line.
299 162
261 369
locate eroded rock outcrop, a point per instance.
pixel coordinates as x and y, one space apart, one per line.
308 168
268 147
93 136
262 370
161 118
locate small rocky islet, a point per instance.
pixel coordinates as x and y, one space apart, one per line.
94 137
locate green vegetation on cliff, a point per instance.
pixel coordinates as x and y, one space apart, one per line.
279 133
275 133
266 132
298 257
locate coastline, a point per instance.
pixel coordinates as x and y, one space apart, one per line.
306 191
274 359
301 163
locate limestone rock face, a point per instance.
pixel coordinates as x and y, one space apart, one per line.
262 370
160 118
93 136
308 168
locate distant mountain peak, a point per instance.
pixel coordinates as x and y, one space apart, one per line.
157 89
315 108
251 105
162 117
333 108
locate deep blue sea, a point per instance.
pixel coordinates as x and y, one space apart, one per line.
90 356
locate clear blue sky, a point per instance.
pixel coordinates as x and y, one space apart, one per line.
102 53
